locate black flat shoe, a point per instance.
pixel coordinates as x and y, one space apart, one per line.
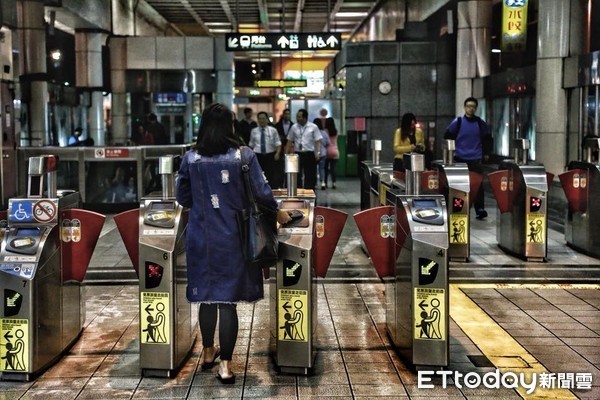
226 381
208 365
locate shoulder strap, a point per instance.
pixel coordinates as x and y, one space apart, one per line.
246 175
458 122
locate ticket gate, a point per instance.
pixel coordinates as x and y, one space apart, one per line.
581 184
45 252
306 246
154 236
521 188
459 187
366 171
408 241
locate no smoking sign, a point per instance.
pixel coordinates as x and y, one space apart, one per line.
44 211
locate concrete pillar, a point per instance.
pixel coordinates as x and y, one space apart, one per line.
473 47
119 112
223 74
88 60
33 72
551 98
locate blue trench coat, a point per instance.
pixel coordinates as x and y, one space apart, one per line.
213 189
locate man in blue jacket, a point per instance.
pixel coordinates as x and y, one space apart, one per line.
473 144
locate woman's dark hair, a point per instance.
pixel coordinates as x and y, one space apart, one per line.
406 128
318 123
216 134
330 126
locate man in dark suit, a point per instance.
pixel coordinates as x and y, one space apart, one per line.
246 125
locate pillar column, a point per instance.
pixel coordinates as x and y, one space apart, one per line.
119 113
34 85
551 98
223 62
473 47
88 61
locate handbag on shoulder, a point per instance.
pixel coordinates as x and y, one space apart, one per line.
258 227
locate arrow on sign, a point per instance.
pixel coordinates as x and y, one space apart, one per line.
286 306
425 269
232 42
422 305
332 41
8 336
148 308
283 41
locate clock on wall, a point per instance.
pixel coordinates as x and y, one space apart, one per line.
385 87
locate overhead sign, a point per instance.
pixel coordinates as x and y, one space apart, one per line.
514 25
280 83
282 41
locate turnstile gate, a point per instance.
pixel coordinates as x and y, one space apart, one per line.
411 237
306 245
521 189
581 184
44 256
167 320
457 184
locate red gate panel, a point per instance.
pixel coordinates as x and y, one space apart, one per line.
80 230
329 224
129 229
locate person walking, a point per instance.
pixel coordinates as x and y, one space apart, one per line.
265 142
283 127
333 154
407 138
304 138
323 159
157 130
211 184
473 144
246 125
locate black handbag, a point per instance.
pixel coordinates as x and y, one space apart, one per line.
258 228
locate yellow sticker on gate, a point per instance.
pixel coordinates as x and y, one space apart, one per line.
154 318
429 311
14 345
459 229
293 315
536 229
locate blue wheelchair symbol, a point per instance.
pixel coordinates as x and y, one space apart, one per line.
23 212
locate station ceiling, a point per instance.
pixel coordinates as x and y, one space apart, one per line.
217 17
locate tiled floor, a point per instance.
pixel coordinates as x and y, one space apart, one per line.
556 322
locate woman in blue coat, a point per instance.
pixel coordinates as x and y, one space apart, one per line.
211 184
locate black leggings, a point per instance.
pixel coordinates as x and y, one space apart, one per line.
228 327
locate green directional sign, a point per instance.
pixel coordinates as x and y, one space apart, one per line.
282 41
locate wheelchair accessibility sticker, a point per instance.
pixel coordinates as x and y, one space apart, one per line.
293 315
14 353
154 321
430 308
21 211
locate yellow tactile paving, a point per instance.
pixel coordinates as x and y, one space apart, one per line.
495 343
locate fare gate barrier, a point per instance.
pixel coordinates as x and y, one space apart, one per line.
46 250
366 171
581 184
459 187
306 246
408 241
154 236
520 188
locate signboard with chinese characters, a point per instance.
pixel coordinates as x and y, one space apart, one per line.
514 25
280 83
282 41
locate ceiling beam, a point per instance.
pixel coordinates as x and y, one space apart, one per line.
229 14
334 10
186 4
299 12
263 14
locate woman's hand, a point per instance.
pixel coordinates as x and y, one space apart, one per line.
283 217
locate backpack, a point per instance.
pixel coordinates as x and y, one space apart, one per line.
487 141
